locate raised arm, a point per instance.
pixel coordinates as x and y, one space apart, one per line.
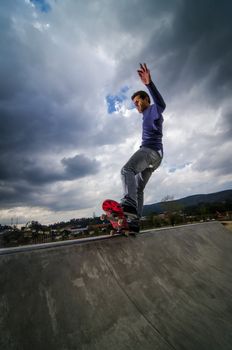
145 76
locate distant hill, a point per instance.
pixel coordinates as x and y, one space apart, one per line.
190 201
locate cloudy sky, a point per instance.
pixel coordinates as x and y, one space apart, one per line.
68 69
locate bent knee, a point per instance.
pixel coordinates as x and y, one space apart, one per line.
127 170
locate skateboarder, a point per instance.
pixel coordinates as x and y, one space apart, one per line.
137 171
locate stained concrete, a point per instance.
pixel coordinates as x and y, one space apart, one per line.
167 289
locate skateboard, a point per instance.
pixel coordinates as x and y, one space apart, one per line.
121 223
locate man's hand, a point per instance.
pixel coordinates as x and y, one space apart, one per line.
144 74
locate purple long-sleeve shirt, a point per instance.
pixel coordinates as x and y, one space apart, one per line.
153 121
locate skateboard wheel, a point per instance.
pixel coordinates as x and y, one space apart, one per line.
103 217
126 233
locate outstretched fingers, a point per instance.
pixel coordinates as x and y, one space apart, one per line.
144 73
144 67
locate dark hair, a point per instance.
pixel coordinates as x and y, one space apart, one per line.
141 94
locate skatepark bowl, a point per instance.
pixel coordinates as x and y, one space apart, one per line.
165 289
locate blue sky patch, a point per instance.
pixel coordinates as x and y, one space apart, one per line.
114 100
182 166
42 5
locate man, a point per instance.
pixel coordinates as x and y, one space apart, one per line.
137 171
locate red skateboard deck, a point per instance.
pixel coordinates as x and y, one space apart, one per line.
117 218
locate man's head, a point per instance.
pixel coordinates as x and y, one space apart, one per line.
141 100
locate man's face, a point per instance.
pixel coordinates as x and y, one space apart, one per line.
140 104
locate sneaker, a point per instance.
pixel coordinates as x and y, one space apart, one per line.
129 210
134 225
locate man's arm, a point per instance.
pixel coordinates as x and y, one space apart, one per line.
158 99
145 76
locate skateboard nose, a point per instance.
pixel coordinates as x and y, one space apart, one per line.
111 205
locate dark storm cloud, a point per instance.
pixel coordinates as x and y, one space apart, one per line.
18 193
72 169
198 43
38 173
80 166
185 43
23 181
38 125
224 125
35 111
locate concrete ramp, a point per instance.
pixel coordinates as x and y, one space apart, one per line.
166 289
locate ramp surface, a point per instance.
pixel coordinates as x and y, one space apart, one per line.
167 289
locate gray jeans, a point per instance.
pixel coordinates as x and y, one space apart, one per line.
135 175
